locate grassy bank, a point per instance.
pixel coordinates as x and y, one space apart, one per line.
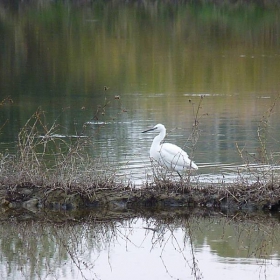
227 199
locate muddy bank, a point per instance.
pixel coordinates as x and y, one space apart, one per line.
217 198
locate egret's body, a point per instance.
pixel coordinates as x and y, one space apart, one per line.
169 155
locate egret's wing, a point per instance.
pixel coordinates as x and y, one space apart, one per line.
174 157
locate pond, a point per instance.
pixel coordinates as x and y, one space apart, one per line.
105 71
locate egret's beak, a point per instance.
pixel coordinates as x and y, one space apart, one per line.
151 129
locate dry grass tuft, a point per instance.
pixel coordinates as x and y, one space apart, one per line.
45 160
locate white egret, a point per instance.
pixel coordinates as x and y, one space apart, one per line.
169 155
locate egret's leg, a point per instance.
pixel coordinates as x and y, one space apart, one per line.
179 175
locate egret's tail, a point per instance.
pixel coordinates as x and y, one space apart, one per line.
193 165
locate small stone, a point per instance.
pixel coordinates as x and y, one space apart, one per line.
4 202
12 205
31 203
25 191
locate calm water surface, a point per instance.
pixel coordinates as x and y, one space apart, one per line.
156 60
165 247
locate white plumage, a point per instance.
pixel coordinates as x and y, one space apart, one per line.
169 155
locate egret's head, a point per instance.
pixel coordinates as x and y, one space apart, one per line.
158 128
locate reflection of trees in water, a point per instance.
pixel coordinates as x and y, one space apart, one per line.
36 249
53 50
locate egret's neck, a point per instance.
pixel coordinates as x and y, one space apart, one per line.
157 140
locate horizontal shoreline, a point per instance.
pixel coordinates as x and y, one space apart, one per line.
217 198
